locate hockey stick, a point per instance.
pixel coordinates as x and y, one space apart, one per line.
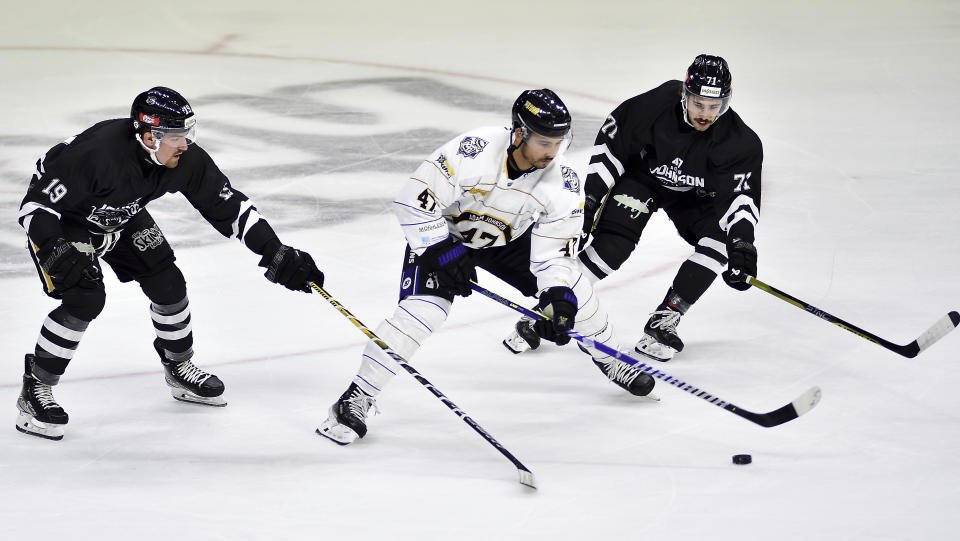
789 412
526 476
939 329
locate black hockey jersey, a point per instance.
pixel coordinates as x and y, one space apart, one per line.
98 180
646 138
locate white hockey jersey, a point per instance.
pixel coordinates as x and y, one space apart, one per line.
463 189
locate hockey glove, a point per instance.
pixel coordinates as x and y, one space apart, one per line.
290 267
450 259
67 265
560 305
742 262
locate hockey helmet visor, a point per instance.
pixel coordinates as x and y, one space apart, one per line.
175 134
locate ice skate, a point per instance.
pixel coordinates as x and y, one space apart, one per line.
627 377
660 341
348 416
191 384
40 415
523 338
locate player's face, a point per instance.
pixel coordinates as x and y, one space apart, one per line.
703 112
172 145
537 151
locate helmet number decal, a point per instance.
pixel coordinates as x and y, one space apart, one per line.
609 127
55 190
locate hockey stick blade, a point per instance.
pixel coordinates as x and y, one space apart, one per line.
526 476
791 411
801 405
941 328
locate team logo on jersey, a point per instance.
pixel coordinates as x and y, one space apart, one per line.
671 176
478 191
633 205
471 146
570 179
109 218
148 239
445 166
226 192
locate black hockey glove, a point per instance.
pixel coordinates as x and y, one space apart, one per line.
560 305
290 267
450 259
742 256
67 265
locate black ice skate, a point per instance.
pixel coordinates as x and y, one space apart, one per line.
627 377
40 415
523 337
189 383
660 341
348 416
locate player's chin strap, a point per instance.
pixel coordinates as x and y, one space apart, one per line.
151 151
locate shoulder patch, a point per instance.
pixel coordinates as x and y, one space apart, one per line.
445 166
471 146
570 179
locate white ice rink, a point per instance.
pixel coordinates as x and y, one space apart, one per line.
319 114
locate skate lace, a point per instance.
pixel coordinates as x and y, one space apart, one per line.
665 319
360 403
190 373
44 394
621 371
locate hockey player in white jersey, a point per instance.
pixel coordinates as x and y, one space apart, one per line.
505 200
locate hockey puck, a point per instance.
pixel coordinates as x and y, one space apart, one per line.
742 459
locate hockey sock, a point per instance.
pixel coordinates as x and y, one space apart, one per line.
58 341
171 322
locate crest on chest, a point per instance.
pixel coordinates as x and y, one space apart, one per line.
108 217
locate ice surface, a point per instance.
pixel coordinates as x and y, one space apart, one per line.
320 111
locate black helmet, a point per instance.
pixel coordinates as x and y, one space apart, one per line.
161 109
709 77
542 112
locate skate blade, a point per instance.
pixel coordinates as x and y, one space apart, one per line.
336 432
186 396
652 349
28 425
514 347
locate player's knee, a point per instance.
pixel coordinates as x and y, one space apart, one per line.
420 315
612 248
85 303
166 286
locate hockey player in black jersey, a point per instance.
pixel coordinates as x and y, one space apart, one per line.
679 148
87 203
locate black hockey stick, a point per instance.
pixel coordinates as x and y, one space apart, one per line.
526 476
939 329
789 412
